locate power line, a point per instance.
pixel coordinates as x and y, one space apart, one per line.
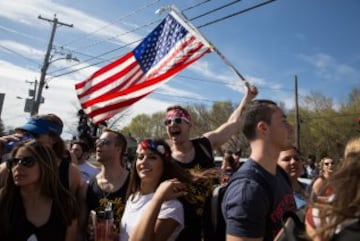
236 13
113 50
214 10
136 11
17 53
76 70
124 33
222 83
196 5
22 34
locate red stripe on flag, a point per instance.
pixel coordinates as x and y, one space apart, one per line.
104 69
128 81
109 80
115 106
142 85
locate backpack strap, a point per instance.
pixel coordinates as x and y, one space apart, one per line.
219 191
215 205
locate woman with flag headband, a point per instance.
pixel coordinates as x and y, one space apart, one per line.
152 211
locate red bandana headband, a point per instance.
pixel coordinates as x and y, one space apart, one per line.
178 113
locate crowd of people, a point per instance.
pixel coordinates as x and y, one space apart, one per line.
50 190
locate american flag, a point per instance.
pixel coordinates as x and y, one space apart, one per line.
169 48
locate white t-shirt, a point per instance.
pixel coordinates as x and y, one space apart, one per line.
134 209
87 171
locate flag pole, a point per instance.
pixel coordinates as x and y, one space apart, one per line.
212 46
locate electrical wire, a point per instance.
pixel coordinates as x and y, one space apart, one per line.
136 11
23 56
236 13
119 35
209 23
216 9
107 60
222 83
130 31
22 34
195 5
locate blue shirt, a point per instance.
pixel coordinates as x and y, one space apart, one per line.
249 211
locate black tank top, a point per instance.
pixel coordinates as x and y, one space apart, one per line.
203 155
52 230
97 199
193 213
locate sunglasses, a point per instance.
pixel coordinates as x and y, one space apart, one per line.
329 163
104 141
27 161
176 120
288 158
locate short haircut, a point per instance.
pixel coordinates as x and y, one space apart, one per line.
84 146
120 140
256 111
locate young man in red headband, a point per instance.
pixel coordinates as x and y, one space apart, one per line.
186 151
197 152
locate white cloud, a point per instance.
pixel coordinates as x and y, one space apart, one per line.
25 12
329 68
25 50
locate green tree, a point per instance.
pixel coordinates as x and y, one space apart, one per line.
140 127
325 128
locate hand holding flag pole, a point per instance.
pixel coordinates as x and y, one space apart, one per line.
168 49
184 18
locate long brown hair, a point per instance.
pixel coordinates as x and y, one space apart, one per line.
64 203
171 169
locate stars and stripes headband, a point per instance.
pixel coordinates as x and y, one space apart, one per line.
155 146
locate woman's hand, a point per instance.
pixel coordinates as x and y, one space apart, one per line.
170 189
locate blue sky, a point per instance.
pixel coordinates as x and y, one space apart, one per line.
317 40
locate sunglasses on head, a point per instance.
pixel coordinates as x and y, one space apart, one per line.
176 120
288 158
104 141
27 161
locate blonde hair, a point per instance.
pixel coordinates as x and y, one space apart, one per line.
353 145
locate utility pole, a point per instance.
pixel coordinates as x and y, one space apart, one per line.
297 121
55 22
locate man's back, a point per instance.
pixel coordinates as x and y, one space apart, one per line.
248 209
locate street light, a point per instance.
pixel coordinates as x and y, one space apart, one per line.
47 62
39 99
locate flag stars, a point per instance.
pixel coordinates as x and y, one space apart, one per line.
158 43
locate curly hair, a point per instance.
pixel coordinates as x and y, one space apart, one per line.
345 204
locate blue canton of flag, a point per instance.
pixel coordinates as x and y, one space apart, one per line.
159 42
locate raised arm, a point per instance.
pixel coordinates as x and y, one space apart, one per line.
150 228
224 132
